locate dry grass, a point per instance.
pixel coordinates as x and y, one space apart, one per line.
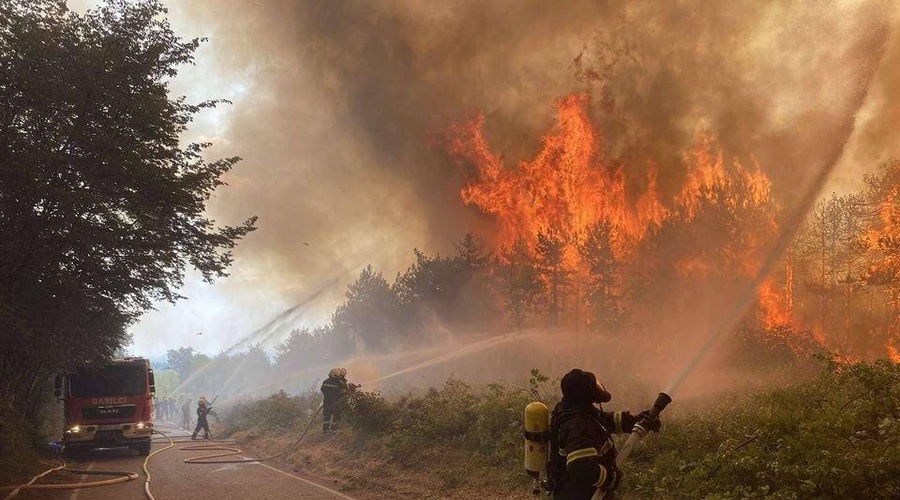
359 467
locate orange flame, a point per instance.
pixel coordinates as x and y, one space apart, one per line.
893 352
774 305
569 185
566 187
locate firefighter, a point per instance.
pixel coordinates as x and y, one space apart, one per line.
203 409
335 391
583 454
186 420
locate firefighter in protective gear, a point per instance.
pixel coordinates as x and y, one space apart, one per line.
186 414
203 409
335 391
582 452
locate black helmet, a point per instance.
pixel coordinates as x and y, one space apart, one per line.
580 386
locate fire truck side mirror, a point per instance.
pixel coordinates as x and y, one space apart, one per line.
57 387
152 382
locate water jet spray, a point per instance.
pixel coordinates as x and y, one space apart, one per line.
795 219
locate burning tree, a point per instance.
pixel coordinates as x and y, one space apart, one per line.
597 225
882 240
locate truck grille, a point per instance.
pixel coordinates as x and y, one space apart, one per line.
108 436
100 412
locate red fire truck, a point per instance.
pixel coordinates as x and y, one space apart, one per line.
109 406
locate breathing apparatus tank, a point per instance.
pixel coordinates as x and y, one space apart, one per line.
537 440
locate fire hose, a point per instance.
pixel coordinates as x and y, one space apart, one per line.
147 461
641 429
125 476
228 450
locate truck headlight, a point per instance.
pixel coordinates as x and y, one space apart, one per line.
74 429
140 425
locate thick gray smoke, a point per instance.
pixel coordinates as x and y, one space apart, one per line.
338 105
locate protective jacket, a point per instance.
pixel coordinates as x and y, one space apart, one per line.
583 454
202 424
333 389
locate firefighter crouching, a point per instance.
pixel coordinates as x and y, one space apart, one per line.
335 391
582 452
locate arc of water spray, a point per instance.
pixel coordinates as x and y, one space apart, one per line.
790 226
271 328
464 351
444 356
264 333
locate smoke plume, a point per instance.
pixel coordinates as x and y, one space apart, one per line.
339 107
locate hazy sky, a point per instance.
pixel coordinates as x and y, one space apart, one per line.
338 106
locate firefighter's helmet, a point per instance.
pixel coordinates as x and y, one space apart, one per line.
202 401
335 373
581 386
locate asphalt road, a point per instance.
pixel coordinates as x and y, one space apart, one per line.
172 479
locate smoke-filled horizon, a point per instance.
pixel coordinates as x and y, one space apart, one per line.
340 108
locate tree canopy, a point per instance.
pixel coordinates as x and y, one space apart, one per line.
102 207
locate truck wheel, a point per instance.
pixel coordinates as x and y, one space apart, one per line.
143 449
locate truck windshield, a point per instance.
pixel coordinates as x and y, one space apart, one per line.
111 380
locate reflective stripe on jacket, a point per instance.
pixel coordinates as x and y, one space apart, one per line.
586 453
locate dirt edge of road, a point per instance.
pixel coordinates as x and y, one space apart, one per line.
347 463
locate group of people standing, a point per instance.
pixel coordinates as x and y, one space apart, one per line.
167 409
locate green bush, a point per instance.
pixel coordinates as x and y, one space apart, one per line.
370 413
486 422
18 441
278 412
834 437
495 436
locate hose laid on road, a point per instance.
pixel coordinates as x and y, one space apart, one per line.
228 451
147 461
123 477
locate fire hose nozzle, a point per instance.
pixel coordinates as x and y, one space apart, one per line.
642 427
660 404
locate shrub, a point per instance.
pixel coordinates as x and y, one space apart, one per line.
18 442
279 412
834 437
370 413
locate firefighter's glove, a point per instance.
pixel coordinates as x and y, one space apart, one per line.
649 422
